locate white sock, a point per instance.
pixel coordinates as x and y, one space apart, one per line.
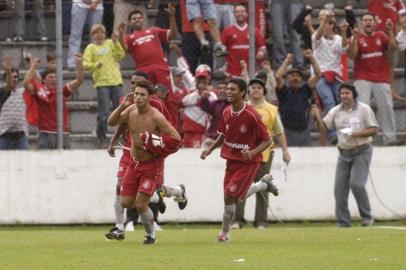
154 198
147 220
229 211
119 212
255 187
171 191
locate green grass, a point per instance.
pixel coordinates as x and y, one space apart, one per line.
291 246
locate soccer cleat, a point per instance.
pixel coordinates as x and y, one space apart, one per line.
182 201
268 180
222 237
149 240
161 203
115 234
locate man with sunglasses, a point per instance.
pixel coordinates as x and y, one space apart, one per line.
13 124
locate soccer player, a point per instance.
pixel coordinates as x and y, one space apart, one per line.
243 136
178 192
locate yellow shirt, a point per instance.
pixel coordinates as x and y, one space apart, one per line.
109 53
269 114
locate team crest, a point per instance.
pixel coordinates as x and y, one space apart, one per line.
227 127
378 42
146 184
233 188
243 129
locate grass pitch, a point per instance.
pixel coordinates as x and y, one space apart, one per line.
292 246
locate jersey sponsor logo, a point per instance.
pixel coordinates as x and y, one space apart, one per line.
146 184
237 146
240 47
142 40
371 55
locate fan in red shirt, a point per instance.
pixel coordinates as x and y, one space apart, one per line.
145 46
243 136
369 50
385 9
236 40
45 96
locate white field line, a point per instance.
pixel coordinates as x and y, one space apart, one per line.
391 227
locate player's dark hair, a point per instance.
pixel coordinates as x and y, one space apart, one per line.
146 85
368 14
135 11
46 72
244 5
141 74
242 85
351 87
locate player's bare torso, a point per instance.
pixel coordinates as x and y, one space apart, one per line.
137 124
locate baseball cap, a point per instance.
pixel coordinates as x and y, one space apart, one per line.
293 70
203 70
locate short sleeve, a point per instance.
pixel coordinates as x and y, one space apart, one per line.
329 119
370 120
162 34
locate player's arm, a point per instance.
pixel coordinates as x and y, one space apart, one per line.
74 85
353 49
173 28
30 75
316 68
248 154
166 127
219 141
393 45
121 113
117 134
280 73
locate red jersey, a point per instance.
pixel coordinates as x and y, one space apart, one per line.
187 27
241 130
385 9
236 39
145 46
371 63
47 107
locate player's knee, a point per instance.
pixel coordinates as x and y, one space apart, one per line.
126 203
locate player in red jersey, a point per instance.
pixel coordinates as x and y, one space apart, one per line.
127 163
384 10
243 136
145 47
236 40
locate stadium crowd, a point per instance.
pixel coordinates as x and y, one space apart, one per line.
211 43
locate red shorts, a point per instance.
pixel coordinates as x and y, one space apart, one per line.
125 161
239 177
142 176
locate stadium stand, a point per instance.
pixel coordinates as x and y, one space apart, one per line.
83 105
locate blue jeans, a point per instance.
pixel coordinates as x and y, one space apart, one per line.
352 173
13 141
283 13
50 141
79 16
328 93
105 94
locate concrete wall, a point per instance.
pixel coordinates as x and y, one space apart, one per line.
78 186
